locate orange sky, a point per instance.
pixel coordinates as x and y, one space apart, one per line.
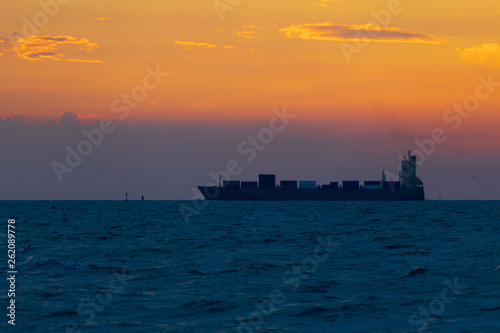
425 57
364 78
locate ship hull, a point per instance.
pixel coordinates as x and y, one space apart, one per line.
219 193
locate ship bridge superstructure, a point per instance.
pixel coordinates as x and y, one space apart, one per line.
408 173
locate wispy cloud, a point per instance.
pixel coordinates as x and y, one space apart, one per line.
324 3
246 34
195 44
8 41
83 60
188 44
253 26
485 54
106 19
39 48
357 32
251 31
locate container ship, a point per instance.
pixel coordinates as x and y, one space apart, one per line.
408 188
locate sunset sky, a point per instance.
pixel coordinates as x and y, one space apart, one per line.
365 79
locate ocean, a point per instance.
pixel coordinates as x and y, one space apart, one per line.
138 266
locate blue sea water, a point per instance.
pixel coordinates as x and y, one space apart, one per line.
138 266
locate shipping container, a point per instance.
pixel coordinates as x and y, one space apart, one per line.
307 184
334 185
350 185
249 185
288 184
231 184
326 187
267 181
372 185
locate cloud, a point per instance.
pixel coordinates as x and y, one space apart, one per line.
485 54
14 118
356 32
324 3
91 118
69 119
9 40
251 31
246 34
189 43
12 124
83 60
39 48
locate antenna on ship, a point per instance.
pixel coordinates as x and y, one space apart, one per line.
220 181
142 197
126 196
